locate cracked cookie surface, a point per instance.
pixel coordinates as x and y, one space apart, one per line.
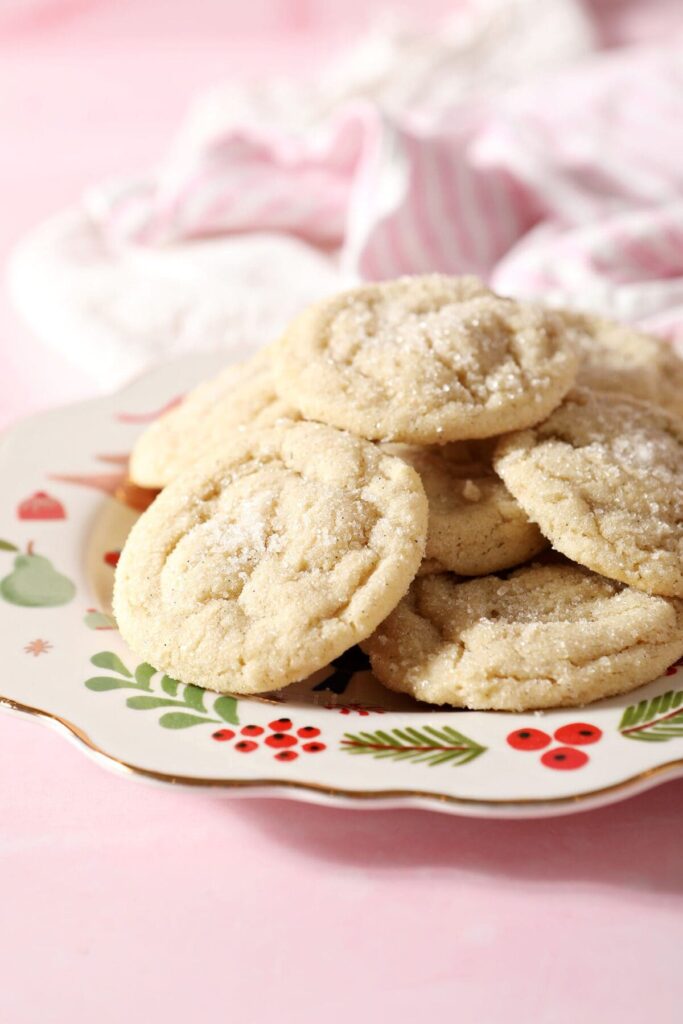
425 360
255 569
548 635
475 525
241 395
603 478
616 357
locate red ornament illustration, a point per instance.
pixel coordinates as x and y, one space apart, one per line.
41 505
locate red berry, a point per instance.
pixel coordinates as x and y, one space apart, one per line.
112 558
281 724
578 734
672 670
246 746
345 711
286 755
528 739
313 748
308 732
564 758
281 739
251 730
223 734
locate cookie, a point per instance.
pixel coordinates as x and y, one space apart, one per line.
475 525
616 357
242 395
603 478
554 635
425 360
258 567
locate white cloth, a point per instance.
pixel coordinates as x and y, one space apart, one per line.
300 187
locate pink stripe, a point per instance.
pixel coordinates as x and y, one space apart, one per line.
430 208
450 205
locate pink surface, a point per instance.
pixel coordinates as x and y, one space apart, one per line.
122 902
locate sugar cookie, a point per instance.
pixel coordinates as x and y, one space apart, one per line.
616 357
254 569
603 478
475 525
240 396
553 635
425 360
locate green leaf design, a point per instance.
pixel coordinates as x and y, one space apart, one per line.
170 686
102 683
181 720
226 707
147 703
190 697
194 698
5 545
429 745
656 720
107 659
143 674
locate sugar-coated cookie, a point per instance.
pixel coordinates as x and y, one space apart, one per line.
425 360
240 396
616 357
254 569
548 635
603 478
475 525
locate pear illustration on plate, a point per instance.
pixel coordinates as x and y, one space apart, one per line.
35 583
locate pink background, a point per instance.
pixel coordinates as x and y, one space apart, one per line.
121 902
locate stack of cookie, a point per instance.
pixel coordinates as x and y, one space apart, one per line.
487 495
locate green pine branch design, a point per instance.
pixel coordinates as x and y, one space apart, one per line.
190 699
656 720
428 745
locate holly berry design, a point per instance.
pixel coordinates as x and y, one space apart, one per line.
528 739
280 737
562 758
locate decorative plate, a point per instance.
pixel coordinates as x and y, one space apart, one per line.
338 738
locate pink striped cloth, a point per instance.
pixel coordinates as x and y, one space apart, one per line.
570 188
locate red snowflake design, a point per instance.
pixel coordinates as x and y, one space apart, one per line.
562 758
280 736
38 647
